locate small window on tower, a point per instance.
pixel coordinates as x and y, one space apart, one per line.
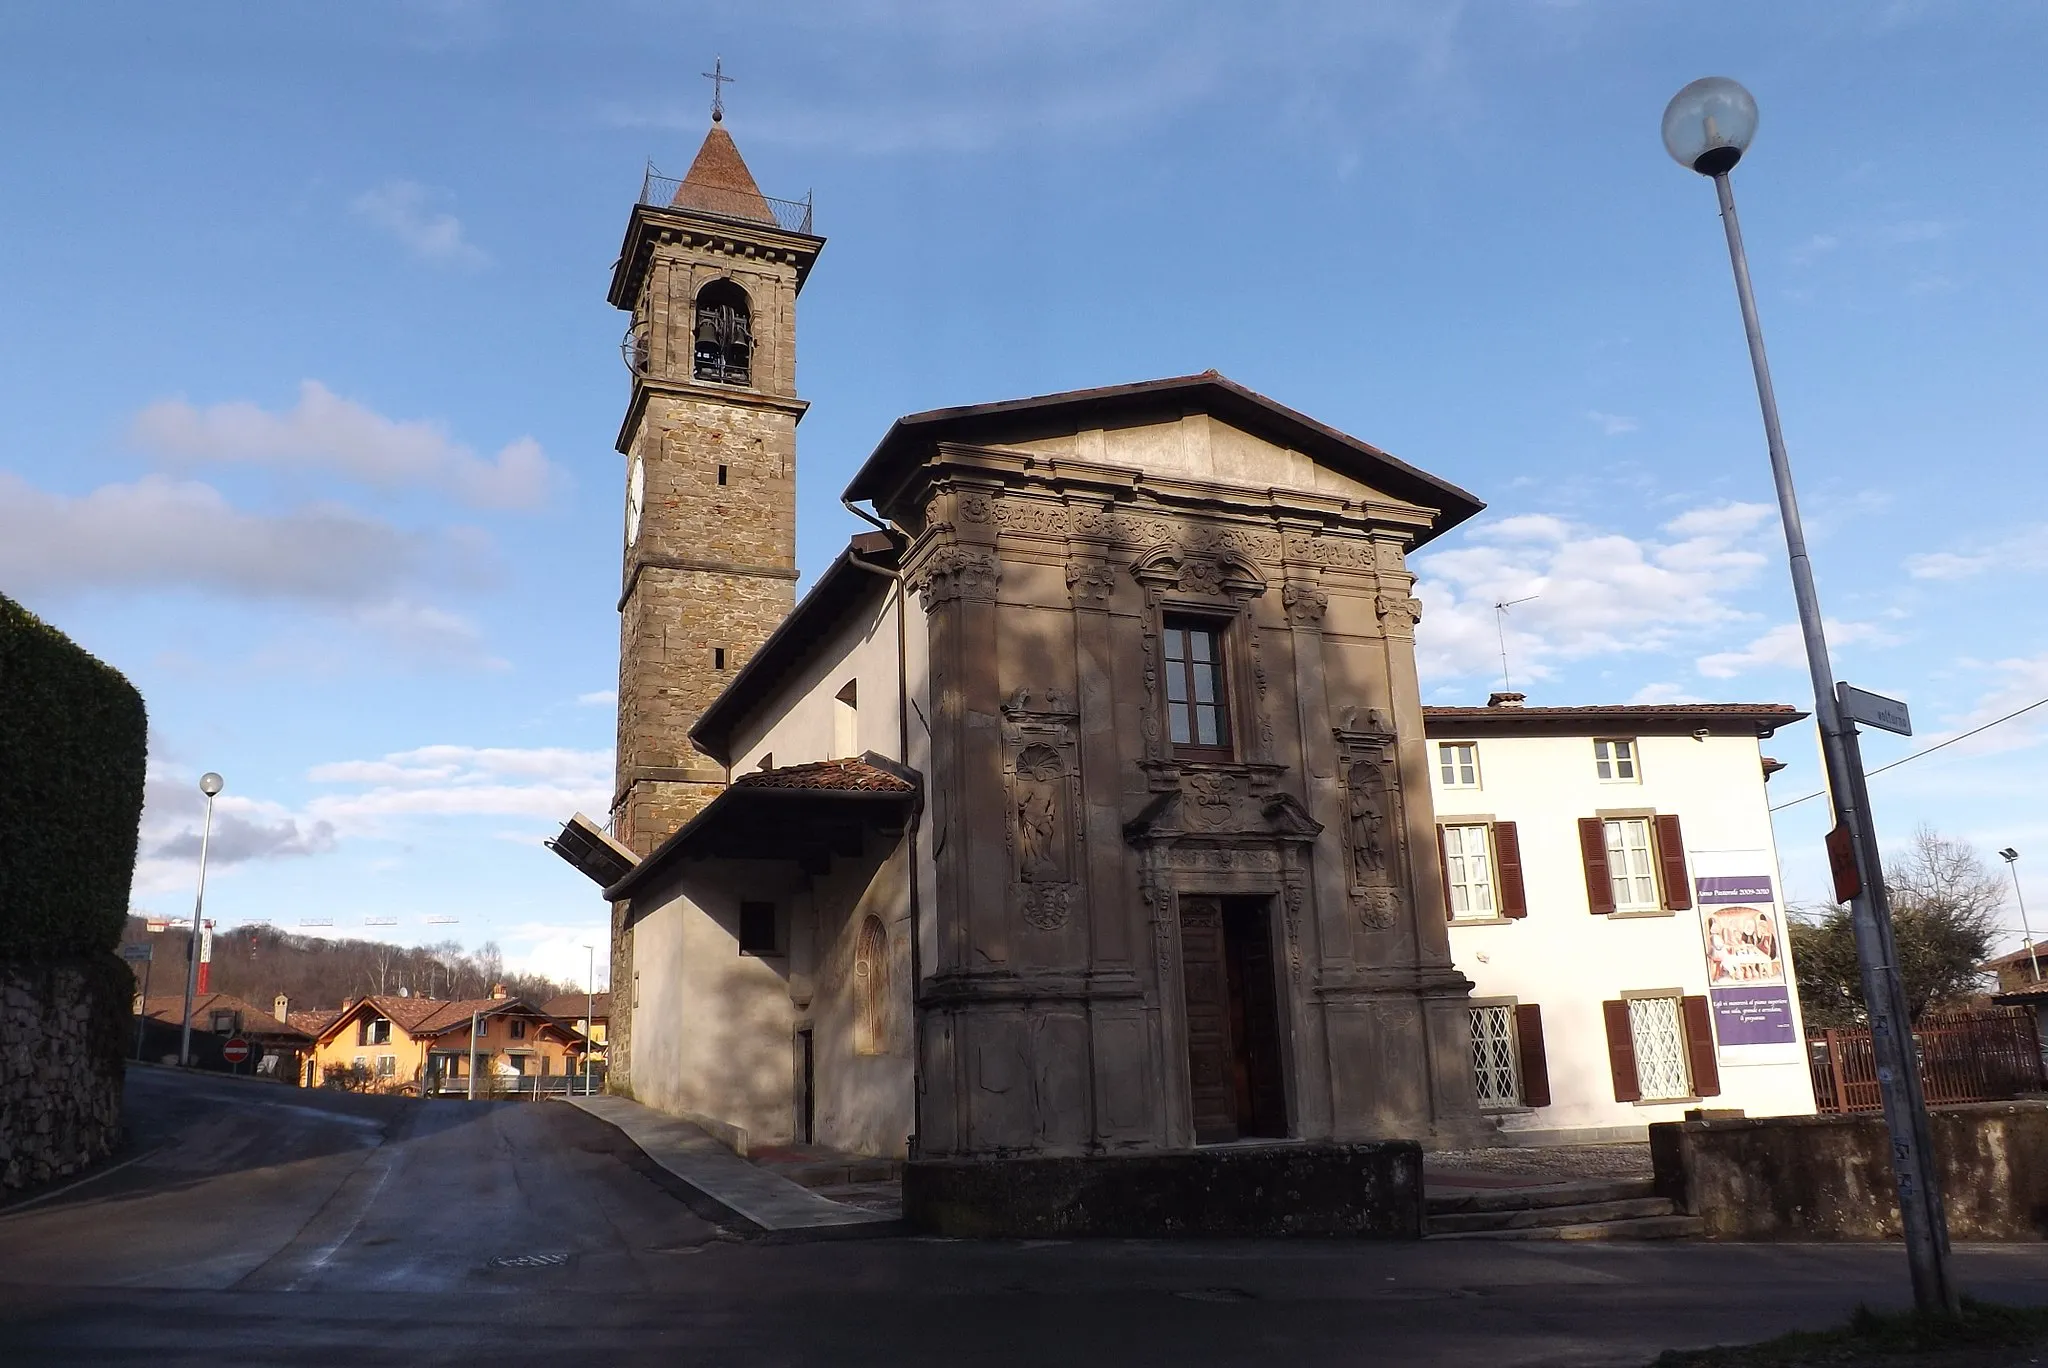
721 474
725 337
718 657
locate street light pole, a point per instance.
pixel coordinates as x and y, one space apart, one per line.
589 1010
2012 862
1707 128
210 784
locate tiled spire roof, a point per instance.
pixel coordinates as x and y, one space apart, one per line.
718 182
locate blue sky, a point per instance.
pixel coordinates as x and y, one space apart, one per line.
310 386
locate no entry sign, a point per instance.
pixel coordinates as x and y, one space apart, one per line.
235 1051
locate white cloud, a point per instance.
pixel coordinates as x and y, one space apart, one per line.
556 950
324 431
165 533
1611 424
1594 592
245 830
1782 647
545 784
1652 694
2025 550
1815 247
2016 682
432 635
598 698
406 210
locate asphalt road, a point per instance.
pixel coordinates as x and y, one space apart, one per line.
254 1224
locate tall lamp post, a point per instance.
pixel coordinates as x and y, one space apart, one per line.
1707 127
589 1010
2012 862
210 784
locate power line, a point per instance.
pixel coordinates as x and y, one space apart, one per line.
1929 751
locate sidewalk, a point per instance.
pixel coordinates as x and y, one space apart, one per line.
756 1197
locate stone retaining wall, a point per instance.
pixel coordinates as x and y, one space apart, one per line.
1357 1190
60 1069
1830 1177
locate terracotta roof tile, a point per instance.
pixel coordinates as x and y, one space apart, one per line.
1599 710
841 776
570 1006
718 182
170 1008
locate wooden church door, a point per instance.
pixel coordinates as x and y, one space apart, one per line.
1235 1084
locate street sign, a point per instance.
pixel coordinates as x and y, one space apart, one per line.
158 925
136 952
1874 710
235 1051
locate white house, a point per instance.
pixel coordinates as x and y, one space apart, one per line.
1613 894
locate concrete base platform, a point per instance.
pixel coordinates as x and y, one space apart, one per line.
1370 1190
749 1196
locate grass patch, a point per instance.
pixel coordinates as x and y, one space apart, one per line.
1985 1334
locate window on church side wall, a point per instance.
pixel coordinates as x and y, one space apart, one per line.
760 929
1197 701
870 988
725 335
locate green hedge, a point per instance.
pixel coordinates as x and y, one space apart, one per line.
73 745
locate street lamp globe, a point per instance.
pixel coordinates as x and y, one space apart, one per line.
1709 125
211 783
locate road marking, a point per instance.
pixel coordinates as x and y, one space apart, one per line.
89 1178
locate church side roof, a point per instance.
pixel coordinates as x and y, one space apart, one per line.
909 442
718 182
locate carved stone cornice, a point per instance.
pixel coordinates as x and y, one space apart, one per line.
1305 602
1091 582
1399 613
957 571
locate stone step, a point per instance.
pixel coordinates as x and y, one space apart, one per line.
1578 1213
1638 1228
1549 1195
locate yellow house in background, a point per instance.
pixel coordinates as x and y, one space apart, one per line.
403 1043
589 1013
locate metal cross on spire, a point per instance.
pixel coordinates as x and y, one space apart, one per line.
719 81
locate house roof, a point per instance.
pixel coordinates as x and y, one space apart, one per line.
572 1006
1651 719
718 182
2017 957
843 587
314 1021
804 814
911 439
256 1021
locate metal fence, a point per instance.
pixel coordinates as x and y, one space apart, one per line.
740 204
1979 1057
512 1087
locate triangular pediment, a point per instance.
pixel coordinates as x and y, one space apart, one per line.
1215 807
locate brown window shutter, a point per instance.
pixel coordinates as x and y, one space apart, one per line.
1621 1052
1507 863
1593 850
1699 1048
1443 869
1535 1065
1671 859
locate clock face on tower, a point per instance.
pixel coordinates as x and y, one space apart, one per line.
636 498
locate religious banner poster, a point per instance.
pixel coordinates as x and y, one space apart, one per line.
1744 933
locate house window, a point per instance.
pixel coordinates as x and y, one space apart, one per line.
387 1065
725 338
1493 1056
846 721
1458 763
1632 865
1615 761
517 1028
1197 704
1468 872
223 1022
1659 1039
759 928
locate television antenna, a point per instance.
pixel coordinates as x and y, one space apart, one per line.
1500 626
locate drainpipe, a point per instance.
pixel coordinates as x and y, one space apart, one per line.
916 820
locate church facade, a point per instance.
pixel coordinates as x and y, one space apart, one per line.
1081 807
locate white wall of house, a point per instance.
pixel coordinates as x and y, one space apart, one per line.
1568 961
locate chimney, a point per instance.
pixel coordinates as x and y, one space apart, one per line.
280 1006
1497 699
497 991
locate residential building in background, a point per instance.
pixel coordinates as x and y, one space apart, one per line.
1611 885
408 1042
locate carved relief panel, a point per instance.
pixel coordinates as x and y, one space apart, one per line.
1042 830
1375 858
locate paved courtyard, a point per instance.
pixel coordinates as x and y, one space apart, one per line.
253 1224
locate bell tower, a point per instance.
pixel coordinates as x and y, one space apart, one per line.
709 273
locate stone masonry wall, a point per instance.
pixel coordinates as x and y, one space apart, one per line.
60 1084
